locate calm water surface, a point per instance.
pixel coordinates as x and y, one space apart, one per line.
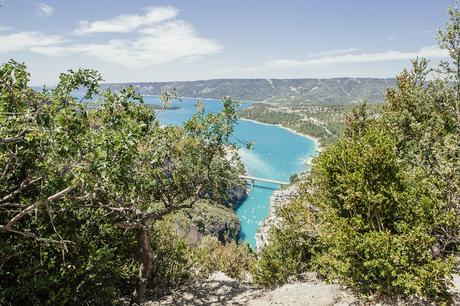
277 153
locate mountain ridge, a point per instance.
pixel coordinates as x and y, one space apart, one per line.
343 90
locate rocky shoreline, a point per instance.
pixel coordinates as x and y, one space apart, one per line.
278 199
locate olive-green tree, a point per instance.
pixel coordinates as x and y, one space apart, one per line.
145 172
116 158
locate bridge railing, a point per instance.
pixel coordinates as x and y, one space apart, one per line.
259 179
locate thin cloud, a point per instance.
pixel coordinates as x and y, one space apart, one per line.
158 39
45 9
4 28
27 40
428 52
168 42
332 52
315 60
128 23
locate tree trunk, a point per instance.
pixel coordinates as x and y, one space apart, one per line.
146 261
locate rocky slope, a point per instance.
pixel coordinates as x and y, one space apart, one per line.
219 289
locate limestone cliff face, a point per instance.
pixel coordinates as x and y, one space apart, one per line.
278 199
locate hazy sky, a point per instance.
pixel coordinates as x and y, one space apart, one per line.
142 40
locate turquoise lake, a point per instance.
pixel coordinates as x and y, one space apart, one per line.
277 154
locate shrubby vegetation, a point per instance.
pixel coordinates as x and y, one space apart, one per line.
291 246
378 219
232 259
209 219
82 190
179 261
380 209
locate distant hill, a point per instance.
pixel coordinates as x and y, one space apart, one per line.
305 91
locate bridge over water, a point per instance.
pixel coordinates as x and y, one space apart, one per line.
259 179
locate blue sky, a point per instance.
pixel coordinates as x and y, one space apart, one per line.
142 40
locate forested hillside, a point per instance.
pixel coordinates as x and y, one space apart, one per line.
326 123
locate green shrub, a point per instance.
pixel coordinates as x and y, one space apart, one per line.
291 246
231 258
96 268
178 262
364 219
378 221
172 258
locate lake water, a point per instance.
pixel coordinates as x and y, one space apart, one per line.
277 154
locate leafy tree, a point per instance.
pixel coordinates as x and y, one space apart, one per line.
421 116
50 239
449 40
160 170
58 157
424 117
